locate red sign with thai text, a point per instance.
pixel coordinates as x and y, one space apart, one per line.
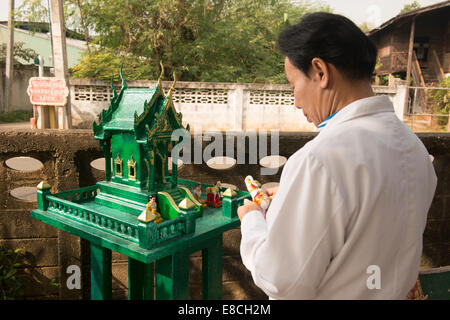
47 91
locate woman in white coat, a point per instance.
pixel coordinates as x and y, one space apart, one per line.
348 217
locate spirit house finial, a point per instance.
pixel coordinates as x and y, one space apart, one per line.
113 89
173 85
124 84
161 75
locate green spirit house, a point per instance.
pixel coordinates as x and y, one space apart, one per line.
135 135
135 131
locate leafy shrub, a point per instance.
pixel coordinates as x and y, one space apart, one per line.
11 284
15 116
21 55
441 100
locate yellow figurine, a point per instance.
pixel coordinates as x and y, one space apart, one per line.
150 214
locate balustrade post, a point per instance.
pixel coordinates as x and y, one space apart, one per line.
43 190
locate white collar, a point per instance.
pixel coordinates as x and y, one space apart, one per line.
358 108
324 122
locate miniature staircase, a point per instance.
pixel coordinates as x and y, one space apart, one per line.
177 195
169 202
121 197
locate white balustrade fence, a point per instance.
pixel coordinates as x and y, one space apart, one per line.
215 106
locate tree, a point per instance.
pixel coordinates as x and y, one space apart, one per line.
199 40
32 11
441 100
36 12
74 13
212 40
21 55
409 7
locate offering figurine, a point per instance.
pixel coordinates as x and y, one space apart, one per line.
150 213
258 196
198 194
214 195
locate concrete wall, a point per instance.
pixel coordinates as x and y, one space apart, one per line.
22 74
215 106
66 158
204 105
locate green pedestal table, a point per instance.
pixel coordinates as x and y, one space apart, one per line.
158 272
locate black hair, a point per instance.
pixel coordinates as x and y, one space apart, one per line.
333 38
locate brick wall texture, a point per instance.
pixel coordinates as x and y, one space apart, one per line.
66 157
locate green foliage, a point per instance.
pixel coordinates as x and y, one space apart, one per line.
21 55
15 116
36 11
36 15
199 40
32 10
98 65
214 40
384 80
11 284
441 100
55 283
409 7
366 26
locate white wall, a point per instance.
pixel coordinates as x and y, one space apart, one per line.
216 106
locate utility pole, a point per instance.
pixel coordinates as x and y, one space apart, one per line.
60 58
9 58
50 31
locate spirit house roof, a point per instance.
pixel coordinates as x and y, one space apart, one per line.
145 111
132 101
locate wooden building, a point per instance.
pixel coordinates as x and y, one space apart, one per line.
417 41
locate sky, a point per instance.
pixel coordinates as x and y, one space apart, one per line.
374 12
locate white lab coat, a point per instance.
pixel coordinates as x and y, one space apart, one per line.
348 218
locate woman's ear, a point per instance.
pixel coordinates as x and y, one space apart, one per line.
320 72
